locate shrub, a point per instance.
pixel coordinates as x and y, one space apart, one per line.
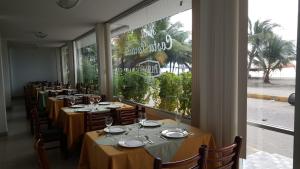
185 97
134 85
169 91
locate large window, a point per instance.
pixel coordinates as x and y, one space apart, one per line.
271 83
152 63
87 60
65 64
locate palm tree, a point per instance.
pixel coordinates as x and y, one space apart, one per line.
181 52
256 37
274 54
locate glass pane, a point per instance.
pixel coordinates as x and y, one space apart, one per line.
271 83
87 60
152 63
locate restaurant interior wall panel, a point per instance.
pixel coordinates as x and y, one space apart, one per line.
3 121
6 74
32 64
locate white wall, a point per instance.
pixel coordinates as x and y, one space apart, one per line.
32 64
3 121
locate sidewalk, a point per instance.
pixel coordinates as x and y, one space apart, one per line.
278 90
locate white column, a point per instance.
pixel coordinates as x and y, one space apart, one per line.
6 73
3 120
219 81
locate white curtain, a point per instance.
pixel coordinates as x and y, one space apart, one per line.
71 63
103 36
219 89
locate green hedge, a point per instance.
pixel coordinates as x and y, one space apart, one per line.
169 92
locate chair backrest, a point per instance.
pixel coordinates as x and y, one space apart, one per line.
196 162
95 120
36 121
127 116
42 156
225 157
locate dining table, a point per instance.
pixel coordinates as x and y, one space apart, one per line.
101 150
71 120
54 104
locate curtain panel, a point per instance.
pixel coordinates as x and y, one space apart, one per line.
219 86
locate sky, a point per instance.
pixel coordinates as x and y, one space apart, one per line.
282 12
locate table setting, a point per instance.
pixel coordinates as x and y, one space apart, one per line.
137 145
160 139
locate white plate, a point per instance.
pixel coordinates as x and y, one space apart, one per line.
150 123
84 110
174 133
78 94
114 129
113 107
104 103
77 106
131 143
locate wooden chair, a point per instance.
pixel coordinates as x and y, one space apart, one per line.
125 117
41 115
94 120
226 157
195 162
42 156
48 134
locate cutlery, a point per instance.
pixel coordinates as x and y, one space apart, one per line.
150 141
162 137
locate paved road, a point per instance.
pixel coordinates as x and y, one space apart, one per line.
275 113
278 87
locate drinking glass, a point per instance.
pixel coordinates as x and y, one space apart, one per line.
178 118
108 122
138 126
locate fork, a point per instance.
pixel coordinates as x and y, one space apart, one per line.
150 141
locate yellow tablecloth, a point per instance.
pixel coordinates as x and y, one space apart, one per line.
53 107
94 156
73 124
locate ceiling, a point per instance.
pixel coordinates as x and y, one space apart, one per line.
19 19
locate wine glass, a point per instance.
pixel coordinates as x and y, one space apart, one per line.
72 101
92 101
138 125
108 122
98 99
178 118
120 98
69 92
142 118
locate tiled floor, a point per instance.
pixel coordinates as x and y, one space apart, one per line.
264 160
16 149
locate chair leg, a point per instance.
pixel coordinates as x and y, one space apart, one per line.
31 126
64 146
